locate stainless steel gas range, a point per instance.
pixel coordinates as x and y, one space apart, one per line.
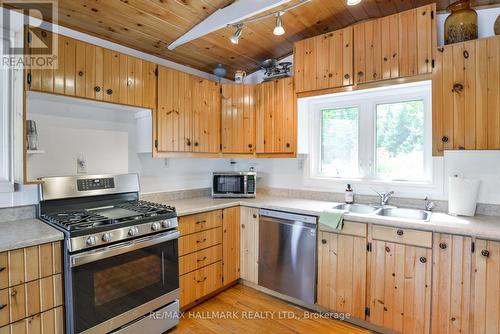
120 254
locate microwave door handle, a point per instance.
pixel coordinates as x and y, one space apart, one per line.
99 254
245 184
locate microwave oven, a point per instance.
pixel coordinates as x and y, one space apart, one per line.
234 184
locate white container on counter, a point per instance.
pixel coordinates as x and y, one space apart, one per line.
462 196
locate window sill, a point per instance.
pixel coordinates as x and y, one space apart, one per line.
374 182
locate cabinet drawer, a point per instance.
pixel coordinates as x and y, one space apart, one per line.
200 283
200 222
201 240
199 259
350 228
403 236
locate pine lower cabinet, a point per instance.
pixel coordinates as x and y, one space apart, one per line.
451 284
209 248
249 244
276 117
466 103
485 308
230 245
342 269
31 290
399 284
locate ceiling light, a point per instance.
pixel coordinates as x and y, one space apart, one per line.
235 39
353 2
278 29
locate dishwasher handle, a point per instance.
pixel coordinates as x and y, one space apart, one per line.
281 221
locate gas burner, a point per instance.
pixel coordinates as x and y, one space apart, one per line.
76 220
146 208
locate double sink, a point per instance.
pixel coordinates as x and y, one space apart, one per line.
392 212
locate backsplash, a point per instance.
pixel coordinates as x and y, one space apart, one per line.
17 213
162 197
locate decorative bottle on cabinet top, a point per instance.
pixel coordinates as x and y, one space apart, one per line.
461 25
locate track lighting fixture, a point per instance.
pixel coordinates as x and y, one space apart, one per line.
353 2
235 39
278 29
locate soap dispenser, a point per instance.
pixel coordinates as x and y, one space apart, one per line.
349 195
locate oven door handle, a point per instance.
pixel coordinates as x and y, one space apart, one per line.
113 250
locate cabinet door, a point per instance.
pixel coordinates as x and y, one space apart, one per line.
389 26
465 109
238 118
342 273
230 245
368 51
276 117
486 288
451 284
249 244
206 115
111 76
174 111
400 287
150 85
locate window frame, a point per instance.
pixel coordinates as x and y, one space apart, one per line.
367 101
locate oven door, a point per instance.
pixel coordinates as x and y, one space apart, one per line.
117 284
229 185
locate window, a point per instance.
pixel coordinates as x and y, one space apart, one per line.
381 134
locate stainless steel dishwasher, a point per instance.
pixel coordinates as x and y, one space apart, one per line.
287 254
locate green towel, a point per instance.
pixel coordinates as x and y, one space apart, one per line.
332 218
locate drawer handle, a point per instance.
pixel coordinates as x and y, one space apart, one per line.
203 259
2 269
400 232
485 253
2 306
423 259
201 222
200 241
442 245
201 281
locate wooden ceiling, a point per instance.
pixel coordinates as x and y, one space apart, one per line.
150 25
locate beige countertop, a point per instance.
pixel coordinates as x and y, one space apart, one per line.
25 233
478 226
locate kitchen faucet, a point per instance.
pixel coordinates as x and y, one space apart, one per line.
429 205
384 197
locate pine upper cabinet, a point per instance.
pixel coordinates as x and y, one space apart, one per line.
230 245
400 280
249 244
206 111
276 121
486 288
451 286
174 118
238 118
342 269
324 61
466 103
394 46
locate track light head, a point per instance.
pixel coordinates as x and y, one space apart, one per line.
235 38
278 29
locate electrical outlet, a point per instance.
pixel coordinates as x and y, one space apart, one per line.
81 164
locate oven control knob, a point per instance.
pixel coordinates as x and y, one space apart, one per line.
165 224
155 226
133 231
91 240
106 237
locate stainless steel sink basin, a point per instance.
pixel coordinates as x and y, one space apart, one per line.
356 208
404 213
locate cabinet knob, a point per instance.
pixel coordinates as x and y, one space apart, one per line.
323 241
287 145
400 232
250 145
374 75
242 225
347 76
457 87
129 83
423 259
466 54
444 139
109 91
80 73
442 245
385 59
254 215
195 143
188 142
360 73
485 253
97 89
